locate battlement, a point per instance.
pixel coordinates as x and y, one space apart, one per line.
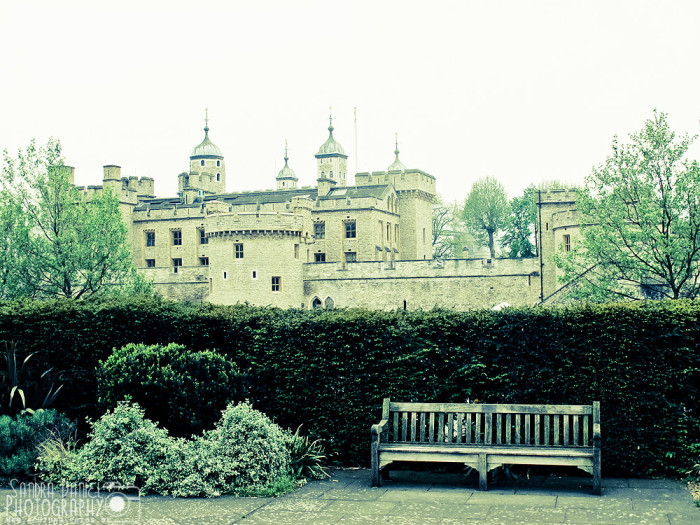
565 219
402 180
558 196
255 222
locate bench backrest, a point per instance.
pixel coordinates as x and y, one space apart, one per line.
515 425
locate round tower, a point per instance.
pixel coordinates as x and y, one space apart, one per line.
286 178
207 168
331 161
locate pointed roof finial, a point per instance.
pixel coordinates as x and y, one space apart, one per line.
330 119
397 164
286 157
206 120
396 151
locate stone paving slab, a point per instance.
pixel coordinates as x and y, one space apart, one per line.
348 498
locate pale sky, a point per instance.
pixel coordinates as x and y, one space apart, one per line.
521 90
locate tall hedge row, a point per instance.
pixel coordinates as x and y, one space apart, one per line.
330 369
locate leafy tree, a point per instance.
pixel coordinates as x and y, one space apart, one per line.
449 235
54 242
486 210
640 217
521 227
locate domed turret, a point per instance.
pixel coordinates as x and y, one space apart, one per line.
397 165
331 165
286 178
207 173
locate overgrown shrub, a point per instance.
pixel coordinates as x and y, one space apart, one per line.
306 457
21 435
184 391
245 454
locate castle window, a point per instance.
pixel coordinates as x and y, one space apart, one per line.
225 276
350 256
218 163
150 263
177 264
567 243
150 238
331 174
254 275
296 251
319 257
203 236
388 232
218 177
201 163
330 303
316 303
350 230
177 237
204 261
320 230
239 250
276 284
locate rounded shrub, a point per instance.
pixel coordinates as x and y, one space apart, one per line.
248 452
184 391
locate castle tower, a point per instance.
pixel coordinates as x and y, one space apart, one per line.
397 165
207 173
332 163
286 178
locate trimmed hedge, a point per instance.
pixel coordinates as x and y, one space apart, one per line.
330 369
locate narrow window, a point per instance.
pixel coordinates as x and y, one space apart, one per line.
320 230
254 275
388 232
319 257
296 251
150 263
225 276
204 261
239 250
150 238
201 163
203 237
218 177
350 230
567 243
276 283
423 235
177 237
218 163
350 256
177 264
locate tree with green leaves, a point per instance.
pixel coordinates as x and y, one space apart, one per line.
54 242
486 210
521 227
640 221
449 234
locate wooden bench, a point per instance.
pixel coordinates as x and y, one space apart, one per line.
488 436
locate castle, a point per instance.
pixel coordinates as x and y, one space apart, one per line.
365 243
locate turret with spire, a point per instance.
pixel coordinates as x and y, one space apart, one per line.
331 162
286 178
397 165
207 173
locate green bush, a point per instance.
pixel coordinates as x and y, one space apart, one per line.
329 370
245 454
247 450
182 390
21 435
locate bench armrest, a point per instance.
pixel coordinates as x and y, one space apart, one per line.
596 431
381 427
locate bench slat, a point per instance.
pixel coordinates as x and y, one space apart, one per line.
460 429
431 428
575 441
556 429
586 437
499 428
469 428
537 429
546 441
477 429
504 409
396 426
509 428
404 425
526 437
413 426
441 428
566 431
518 432
488 419
422 427
450 430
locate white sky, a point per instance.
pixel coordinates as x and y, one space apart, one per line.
521 90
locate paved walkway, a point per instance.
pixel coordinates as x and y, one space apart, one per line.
348 498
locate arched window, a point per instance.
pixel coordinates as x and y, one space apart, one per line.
331 174
218 177
316 303
201 163
218 163
330 303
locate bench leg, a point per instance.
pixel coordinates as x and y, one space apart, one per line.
483 472
376 478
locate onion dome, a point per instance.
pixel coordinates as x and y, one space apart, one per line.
397 165
286 172
207 149
331 146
